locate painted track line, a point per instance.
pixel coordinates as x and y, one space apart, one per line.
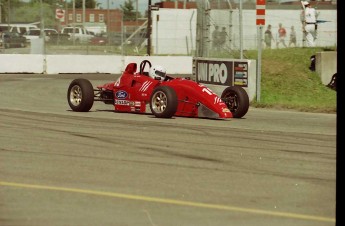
170 201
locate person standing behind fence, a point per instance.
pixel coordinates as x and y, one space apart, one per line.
268 37
222 37
292 37
281 35
309 23
215 38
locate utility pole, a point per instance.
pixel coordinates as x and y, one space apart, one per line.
241 29
136 15
108 17
66 14
148 35
42 34
83 13
9 13
0 12
42 21
73 22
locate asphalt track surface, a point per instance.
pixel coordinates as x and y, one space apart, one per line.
59 167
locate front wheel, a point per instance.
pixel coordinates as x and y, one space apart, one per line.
237 100
163 102
80 95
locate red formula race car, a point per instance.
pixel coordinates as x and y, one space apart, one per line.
155 92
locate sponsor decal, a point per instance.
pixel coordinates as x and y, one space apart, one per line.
227 73
243 66
145 86
117 83
214 72
241 74
122 102
217 100
121 94
135 103
226 110
241 82
206 90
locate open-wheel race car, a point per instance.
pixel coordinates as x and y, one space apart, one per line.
152 91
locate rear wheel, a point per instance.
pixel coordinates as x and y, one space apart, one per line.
80 95
237 100
163 102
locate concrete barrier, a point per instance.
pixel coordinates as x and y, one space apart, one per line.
60 64
326 65
22 63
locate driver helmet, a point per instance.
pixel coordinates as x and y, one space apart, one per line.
157 71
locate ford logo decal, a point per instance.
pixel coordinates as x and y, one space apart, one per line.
121 94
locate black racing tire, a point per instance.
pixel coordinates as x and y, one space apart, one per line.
80 95
237 100
163 102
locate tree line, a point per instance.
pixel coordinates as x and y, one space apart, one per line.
17 11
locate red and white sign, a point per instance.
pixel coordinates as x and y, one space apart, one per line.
260 12
59 13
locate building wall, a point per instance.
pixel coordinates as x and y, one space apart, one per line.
95 16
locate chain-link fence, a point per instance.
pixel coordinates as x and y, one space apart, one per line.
214 28
226 29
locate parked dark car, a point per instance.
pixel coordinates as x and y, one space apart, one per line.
100 39
12 39
4 27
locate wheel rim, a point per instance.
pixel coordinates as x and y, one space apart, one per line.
231 101
75 95
159 102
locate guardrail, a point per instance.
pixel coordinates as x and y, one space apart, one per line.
112 64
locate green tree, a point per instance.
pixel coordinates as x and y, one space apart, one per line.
32 13
7 6
128 10
78 3
17 11
89 4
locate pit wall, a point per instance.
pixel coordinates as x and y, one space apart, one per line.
326 65
62 64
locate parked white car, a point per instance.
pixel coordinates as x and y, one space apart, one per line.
22 28
77 34
35 33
